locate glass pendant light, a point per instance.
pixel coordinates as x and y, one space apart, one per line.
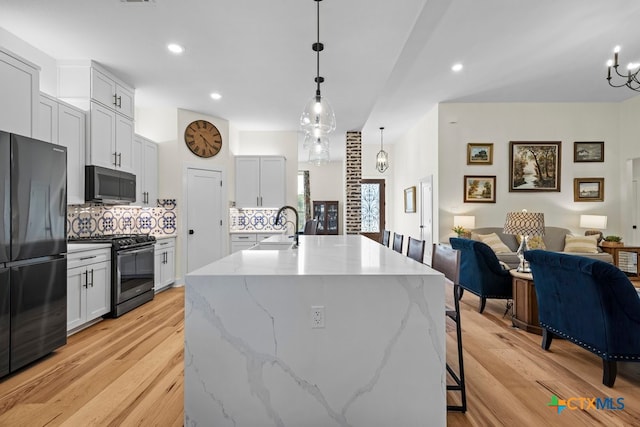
382 159
319 151
318 117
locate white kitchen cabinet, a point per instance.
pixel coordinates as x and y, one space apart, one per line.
145 166
245 240
260 181
63 124
20 89
111 93
82 81
110 102
165 263
111 139
88 287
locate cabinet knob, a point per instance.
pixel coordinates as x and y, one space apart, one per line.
191 232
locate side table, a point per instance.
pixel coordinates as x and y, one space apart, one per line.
626 259
525 302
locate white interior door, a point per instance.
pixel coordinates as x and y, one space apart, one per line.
426 216
204 217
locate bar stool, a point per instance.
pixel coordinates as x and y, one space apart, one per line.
386 237
415 249
447 261
397 242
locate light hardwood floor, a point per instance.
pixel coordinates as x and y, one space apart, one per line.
128 372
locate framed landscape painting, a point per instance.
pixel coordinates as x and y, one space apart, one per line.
588 152
479 189
588 190
534 166
479 154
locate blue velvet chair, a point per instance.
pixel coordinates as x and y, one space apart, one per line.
481 272
589 302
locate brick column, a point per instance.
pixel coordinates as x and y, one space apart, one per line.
353 166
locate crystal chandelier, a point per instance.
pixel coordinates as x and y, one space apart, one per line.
382 159
632 81
317 119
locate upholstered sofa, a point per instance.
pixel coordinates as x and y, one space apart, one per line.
554 240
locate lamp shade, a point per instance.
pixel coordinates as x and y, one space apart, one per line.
318 117
598 222
468 222
524 223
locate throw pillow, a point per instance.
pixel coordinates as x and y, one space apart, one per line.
494 242
534 242
581 244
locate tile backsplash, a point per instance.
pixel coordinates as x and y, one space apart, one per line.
90 220
256 220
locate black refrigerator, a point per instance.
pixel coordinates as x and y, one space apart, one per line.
33 246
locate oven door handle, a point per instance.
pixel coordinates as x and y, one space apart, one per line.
135 251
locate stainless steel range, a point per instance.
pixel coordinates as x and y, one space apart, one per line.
132 269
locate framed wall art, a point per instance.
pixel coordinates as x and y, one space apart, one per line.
410 199
588 152
588 189
479 153
479 189
534 166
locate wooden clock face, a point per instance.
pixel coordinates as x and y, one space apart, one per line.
203 138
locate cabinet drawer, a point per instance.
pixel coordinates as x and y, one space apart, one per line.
165 244
249 237
79 259
261 236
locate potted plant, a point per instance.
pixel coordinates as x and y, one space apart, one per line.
459 230
612 242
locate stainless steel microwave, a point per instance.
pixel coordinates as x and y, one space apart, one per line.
109 186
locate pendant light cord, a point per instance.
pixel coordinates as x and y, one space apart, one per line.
318 47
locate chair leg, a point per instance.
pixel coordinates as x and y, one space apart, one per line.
460 292
459 377
483 302
610 370
547 337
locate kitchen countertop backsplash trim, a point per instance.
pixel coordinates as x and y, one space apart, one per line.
89 220
259 220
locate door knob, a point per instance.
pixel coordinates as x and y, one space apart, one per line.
190 231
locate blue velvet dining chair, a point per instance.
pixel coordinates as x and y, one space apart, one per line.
481 272
589 302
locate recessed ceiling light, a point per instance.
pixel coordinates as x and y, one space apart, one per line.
457 67
175 48
216 96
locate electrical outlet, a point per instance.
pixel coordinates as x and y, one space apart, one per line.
317 316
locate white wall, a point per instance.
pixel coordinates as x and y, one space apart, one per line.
415 156
501 123
326 182
630 150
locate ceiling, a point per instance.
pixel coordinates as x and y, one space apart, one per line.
383 64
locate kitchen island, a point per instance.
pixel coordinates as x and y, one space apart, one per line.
339 332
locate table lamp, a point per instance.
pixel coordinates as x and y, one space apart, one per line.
594 223
524 224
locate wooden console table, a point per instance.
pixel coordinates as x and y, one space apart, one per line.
626 259
525 303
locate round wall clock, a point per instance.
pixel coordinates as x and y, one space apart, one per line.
203 138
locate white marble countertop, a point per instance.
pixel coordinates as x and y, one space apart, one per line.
81 247
166 236
317 255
